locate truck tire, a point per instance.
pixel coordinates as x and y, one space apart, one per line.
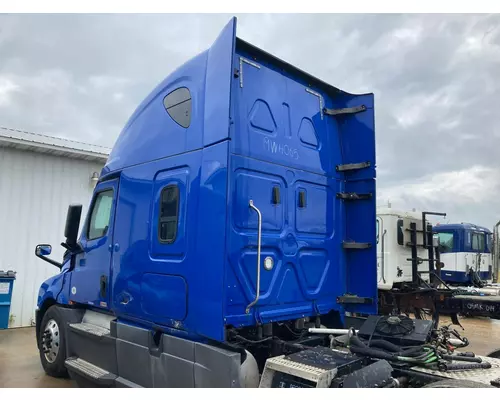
457 383
494 354
52 339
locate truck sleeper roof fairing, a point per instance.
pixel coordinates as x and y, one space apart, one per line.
209 70
257 129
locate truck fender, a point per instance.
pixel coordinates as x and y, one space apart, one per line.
249 372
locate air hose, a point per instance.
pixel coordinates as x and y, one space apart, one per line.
381 349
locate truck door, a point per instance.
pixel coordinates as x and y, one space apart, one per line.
90 278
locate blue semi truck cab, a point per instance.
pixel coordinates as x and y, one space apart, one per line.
236 210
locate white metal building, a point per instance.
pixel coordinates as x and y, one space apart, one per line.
39 177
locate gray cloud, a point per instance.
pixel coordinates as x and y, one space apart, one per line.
435 79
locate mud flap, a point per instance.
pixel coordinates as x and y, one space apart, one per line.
455 321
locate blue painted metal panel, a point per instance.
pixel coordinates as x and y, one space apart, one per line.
462 277
141 253
50 289
218 86
207 285
151 133
279 119
164 296
198 256
306 266
282 137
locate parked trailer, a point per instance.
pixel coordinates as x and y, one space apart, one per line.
236 211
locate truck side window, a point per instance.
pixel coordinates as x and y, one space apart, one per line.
178 106
169 214
101 212
401 236
478 242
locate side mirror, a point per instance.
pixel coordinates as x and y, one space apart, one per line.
43 250
72 224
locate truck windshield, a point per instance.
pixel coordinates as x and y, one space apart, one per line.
445 242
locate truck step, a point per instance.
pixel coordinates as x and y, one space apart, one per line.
90 372
91 329
94 343
280 372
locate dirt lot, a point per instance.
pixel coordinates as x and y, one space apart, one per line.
20 363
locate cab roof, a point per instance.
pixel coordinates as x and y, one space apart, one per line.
460 227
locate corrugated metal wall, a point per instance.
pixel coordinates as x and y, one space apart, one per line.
35 191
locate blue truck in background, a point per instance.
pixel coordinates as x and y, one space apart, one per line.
234 217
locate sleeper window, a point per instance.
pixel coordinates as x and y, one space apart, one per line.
169 214
178 106
101 212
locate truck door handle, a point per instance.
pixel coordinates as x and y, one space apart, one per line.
259 239
125 300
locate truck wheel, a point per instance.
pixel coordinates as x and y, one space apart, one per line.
494 354
457 383
53 343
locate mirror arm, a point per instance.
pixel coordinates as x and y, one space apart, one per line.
77 248
44 258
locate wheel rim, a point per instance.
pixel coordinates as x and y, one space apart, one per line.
51 341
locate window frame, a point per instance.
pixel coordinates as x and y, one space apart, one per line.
488 241
478 235
171 106
94 202
448 249
177 209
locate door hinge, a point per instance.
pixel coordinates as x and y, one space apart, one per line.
349 299
354 196
343 111
352 167
356 245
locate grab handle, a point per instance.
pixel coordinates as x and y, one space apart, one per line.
259 238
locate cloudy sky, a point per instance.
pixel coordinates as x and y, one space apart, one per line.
436 80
